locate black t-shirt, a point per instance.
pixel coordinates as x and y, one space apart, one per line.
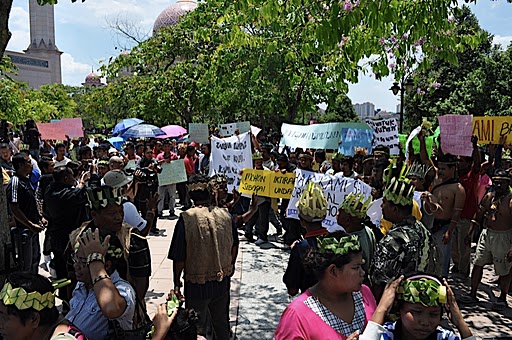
20 192
32 138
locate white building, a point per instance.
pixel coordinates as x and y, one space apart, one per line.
365 110
40 63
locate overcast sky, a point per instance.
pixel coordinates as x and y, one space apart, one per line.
83 34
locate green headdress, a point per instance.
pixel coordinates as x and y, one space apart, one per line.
337 156
257 155
356 205
338 247
422 289
23 300
100 197
399 192
418 170
312 204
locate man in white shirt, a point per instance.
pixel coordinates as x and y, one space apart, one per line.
60 159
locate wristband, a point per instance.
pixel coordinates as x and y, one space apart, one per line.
99 278
95 257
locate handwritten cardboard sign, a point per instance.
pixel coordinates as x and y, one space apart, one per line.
198 132
385 132
267 183
489 130
227 130
456 131
316 136
59 129
172 172
72 126
335 191
229 156
51 131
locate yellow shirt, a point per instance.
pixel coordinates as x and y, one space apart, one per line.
385 225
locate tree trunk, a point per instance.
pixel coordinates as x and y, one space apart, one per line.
5 34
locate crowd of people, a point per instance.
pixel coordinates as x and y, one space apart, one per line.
97 204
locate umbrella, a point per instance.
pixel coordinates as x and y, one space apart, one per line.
125 124
143 130
117 142
173 131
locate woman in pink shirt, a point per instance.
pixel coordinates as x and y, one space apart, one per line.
339 305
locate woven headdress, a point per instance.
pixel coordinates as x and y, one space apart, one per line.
312 204
101 196
356 205
339 246
257 155
426 290
337 156
399 192
418 170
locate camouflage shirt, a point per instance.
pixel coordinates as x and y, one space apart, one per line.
406 248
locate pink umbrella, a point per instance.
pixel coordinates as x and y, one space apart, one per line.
173 131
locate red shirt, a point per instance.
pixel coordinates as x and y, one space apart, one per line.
189 165
172 156
470 183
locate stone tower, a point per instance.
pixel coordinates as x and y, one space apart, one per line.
40 64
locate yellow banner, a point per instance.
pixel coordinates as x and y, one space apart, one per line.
489 130
267 183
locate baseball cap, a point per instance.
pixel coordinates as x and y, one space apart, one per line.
115 179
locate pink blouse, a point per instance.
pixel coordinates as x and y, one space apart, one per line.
299 321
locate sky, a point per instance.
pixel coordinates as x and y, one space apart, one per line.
83 34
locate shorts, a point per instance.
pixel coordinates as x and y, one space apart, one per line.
493 247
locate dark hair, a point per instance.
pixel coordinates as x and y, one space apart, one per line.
184 325
32 283
166 142
381 164
60 173
320 154
349 160
18 160
191 148
501 173
381 148
208 145
282 158
139 145
317 263
44 162
449 159
82 151
59 145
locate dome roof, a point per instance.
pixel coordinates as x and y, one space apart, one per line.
92 78
172 14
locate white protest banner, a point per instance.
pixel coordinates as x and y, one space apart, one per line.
198 132
335 190
227 130
456 132
229 156
316 136
172 172
385 132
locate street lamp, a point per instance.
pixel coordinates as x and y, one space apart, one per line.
406 85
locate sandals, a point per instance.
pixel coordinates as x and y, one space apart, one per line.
466 298
499 306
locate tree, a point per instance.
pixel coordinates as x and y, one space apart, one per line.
340 109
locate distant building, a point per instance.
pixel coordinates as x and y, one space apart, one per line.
93 80
365 110
40 63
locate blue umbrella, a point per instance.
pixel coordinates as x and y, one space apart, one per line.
125 124
143 130
117 142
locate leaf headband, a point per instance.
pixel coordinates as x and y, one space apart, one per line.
23 300
338 247
356 205
425 290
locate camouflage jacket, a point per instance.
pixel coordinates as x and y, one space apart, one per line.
407 247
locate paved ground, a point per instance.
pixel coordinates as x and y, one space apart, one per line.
259 296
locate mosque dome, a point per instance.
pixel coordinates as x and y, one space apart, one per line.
172 14
92 78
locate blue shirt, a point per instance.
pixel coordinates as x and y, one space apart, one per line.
86 315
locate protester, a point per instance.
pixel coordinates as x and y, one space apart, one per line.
295 277
420 300
166 156
339 304
321 160
408 246
28 310
102 299
335 165
207 269
495 242
23 206
204 162
6 159
352 217
446 204
60 159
